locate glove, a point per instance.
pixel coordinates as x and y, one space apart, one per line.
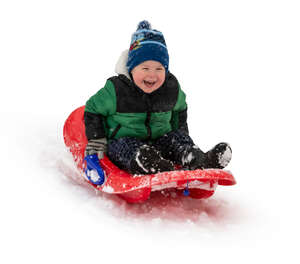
93 170
94 150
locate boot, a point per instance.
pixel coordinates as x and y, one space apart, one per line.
218 157
193 158
148 160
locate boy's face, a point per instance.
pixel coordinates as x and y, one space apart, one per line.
149 75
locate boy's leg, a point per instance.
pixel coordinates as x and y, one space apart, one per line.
180 148
135 156
120 151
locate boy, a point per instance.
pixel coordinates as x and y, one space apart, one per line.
139 118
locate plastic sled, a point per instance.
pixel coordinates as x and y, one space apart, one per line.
198 184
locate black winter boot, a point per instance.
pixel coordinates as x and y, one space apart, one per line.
193 158
174 144
148 160
219 156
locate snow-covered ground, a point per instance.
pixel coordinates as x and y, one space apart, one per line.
238 62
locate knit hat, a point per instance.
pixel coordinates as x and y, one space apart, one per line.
147 44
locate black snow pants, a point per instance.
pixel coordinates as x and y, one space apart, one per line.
171 146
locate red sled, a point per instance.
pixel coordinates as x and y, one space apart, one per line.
200 184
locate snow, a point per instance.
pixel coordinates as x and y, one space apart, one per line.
238 62
138 161
188 158
164 186
194 184
202 185
224 158
94 175
108 189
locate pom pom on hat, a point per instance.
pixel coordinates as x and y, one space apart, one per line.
144 25
147 44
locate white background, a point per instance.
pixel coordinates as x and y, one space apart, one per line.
238 62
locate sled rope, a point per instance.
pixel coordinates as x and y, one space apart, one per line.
186 191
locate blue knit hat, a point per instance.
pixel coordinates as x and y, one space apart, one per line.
147 44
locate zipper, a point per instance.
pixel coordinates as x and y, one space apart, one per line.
147 124
114 133
147 121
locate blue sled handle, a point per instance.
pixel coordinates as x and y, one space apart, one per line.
92 163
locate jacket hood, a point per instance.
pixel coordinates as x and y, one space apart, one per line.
121 64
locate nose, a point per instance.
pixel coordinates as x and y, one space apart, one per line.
151 73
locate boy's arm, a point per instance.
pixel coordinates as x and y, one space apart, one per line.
182 121
94 125
97 108
95 133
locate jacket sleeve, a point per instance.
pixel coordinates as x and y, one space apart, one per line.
179 113
97 108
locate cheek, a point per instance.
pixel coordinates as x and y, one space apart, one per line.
162 78
138 78
140 81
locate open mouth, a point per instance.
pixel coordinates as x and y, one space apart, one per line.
149 84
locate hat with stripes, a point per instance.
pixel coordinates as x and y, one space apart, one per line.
147 44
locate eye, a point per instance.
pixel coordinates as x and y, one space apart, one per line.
159 69
145 68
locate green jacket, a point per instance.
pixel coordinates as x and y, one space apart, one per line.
121 109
